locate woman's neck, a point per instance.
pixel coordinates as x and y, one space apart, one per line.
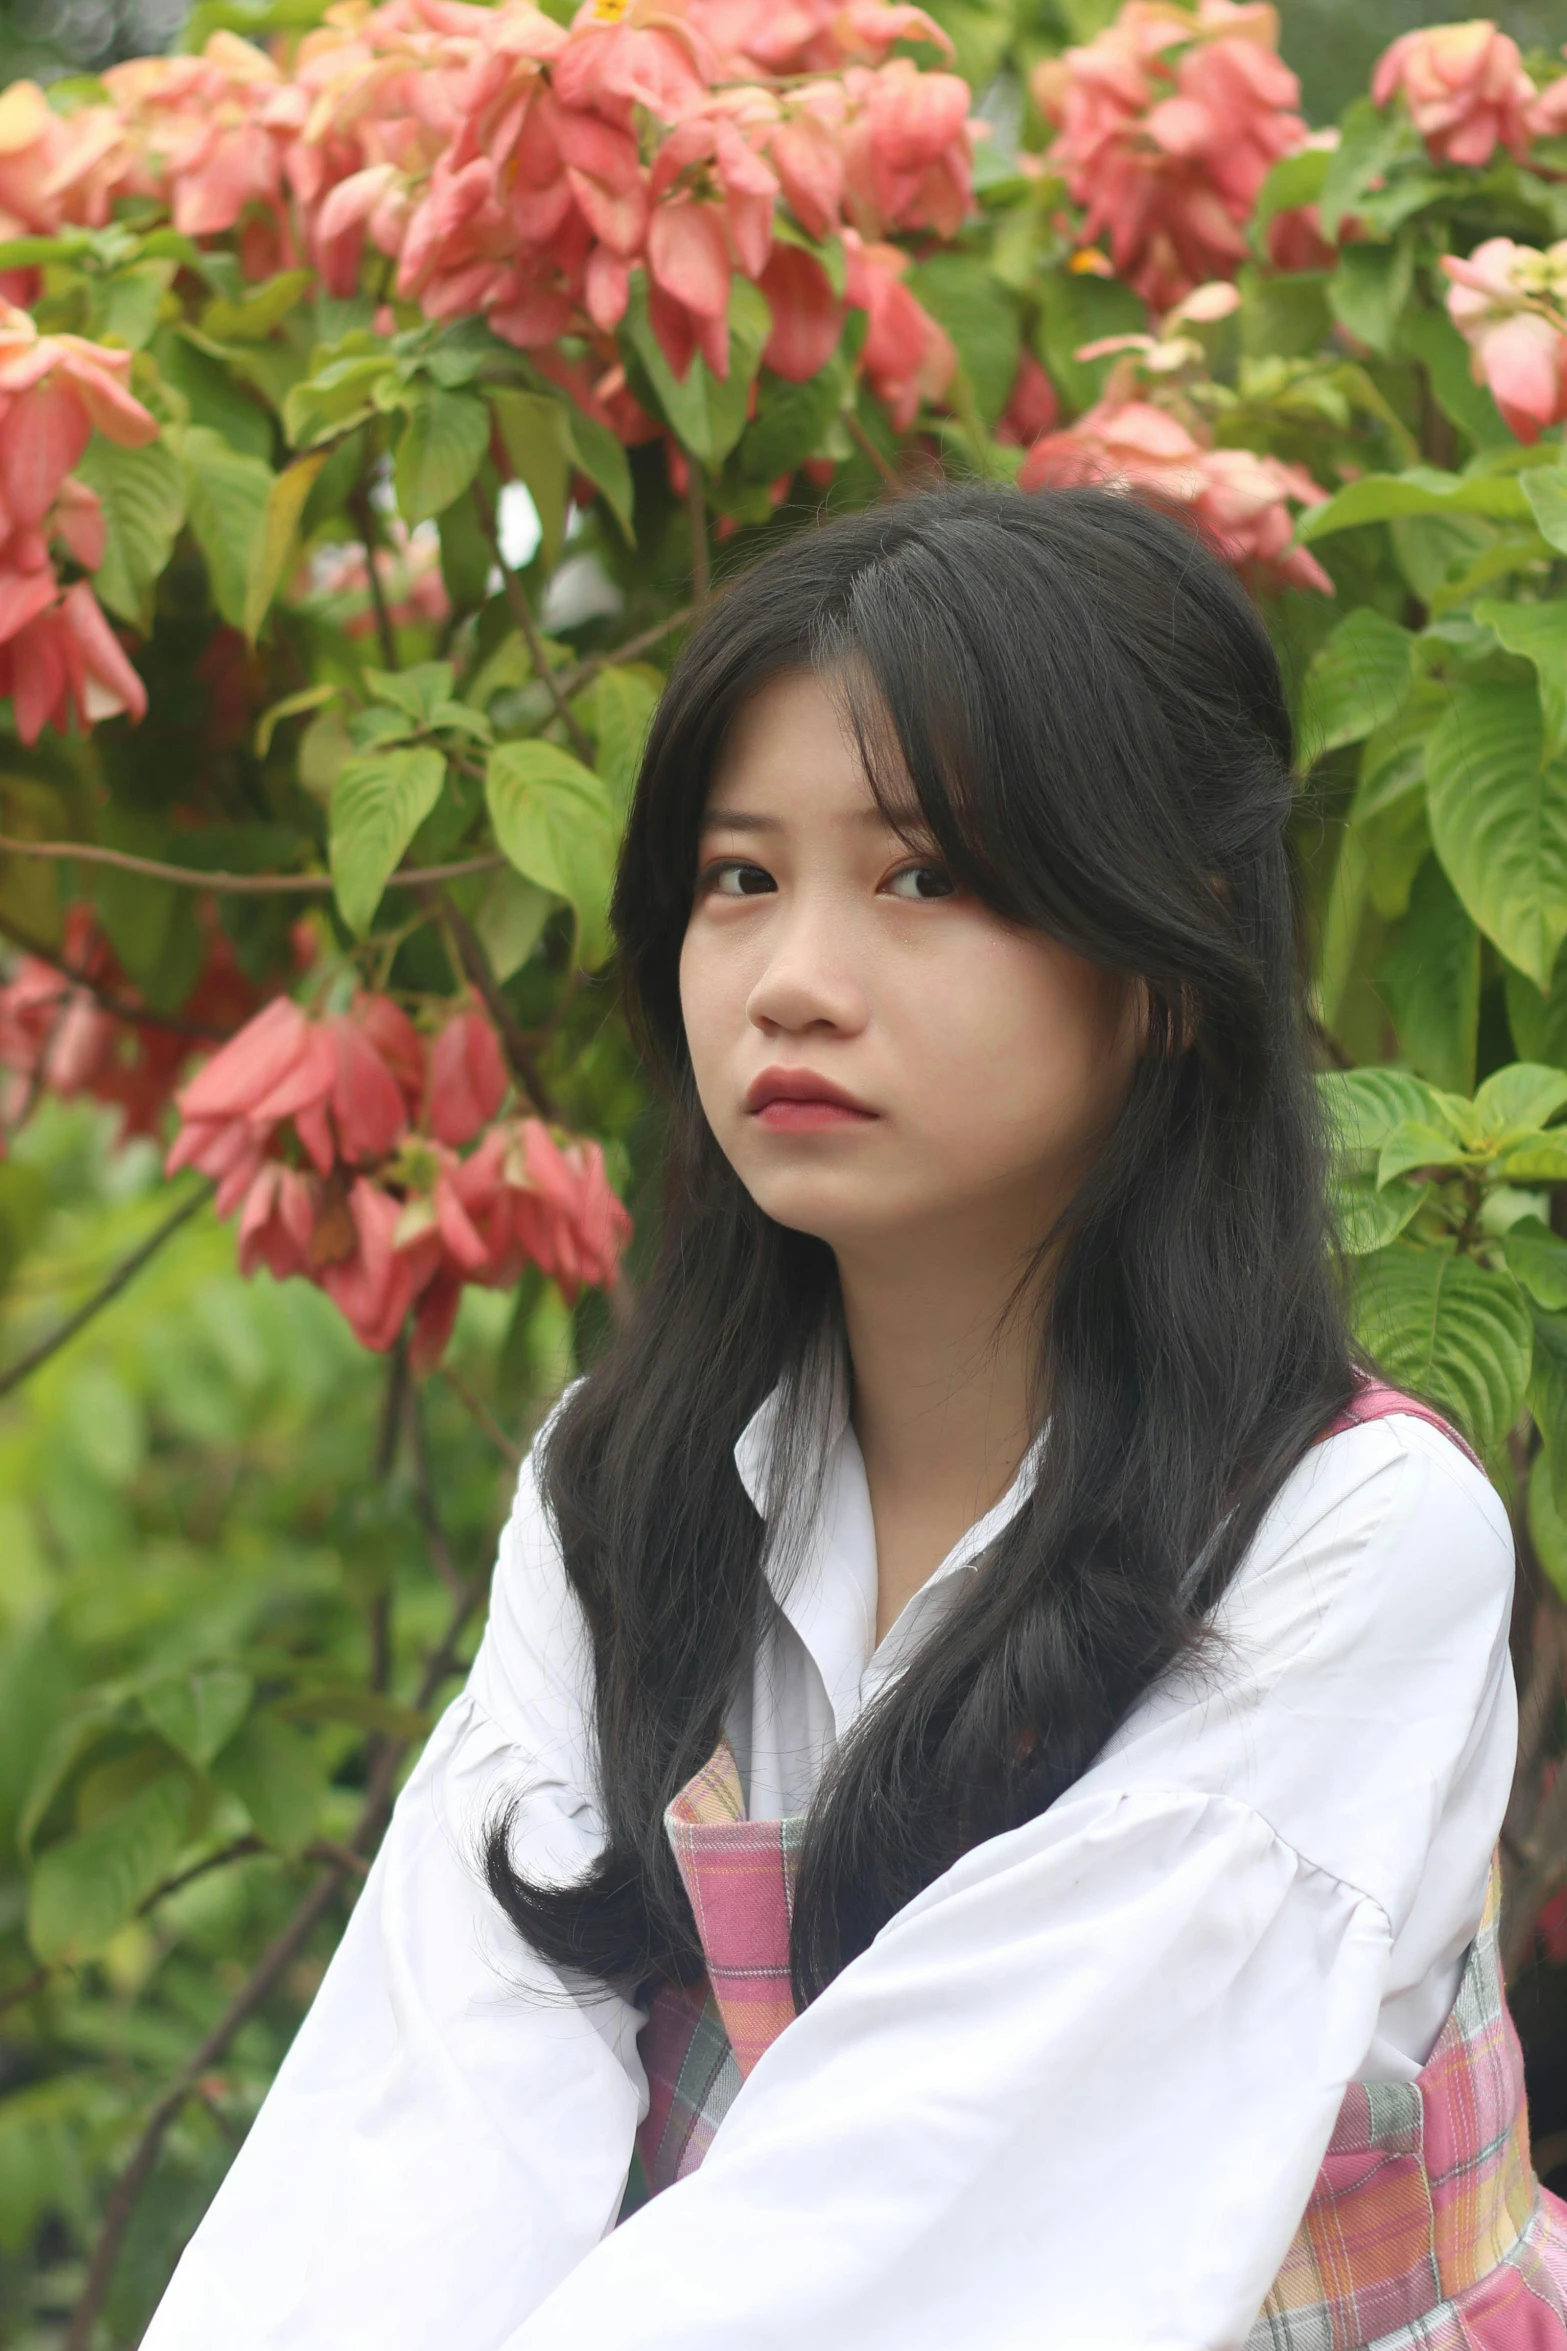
944 1387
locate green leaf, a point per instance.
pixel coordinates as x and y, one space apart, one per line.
279 535
1547 1527
1431 337
142 493
1363 1106
1537 633
278 1775
617 710
707 416
1294 181
791 421
197 1713
379 801
364 1710
510 921
84 1890
1368 141
258 310
1548 1396
1537 1258
1078 310
1368 290
1540 1159
1499 821
417 692
981 318
603 459
1366 1215
291 706
1519 1098
1451 1330
1356 682
442 447
1545 488
536 436
1423 490
211 393
1430 974
1414 1144
339 395
554 822
229 496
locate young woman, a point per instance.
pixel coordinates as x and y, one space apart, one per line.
1081 1934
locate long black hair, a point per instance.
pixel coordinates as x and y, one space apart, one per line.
1089 712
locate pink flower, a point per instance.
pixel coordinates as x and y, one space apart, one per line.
1167 124
1509 302
906 356
1032 406
62 664
1238 498
468 1078
375 1284
277 1223
1465 87
807 315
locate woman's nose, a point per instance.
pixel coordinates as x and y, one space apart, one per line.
810 979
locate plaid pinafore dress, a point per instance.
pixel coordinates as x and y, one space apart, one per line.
1427 2229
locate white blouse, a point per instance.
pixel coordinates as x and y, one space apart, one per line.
1075 2094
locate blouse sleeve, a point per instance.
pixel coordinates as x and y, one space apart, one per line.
1077 2092
452 2128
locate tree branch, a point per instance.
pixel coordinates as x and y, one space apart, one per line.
868 448
478 1410
108 1291
476 964
136 1015
363 514
572 681
522 613
239 885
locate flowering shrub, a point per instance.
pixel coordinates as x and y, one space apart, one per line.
375 405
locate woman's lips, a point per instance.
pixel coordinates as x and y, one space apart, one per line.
809 1117
798 1102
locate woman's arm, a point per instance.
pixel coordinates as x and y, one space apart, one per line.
1077 2092
451 2130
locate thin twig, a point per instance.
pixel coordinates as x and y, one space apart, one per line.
362 512
241 1848
123 1274
475 962
857 433
240 885
572 681
696 508
522 613
136 1015
479 1411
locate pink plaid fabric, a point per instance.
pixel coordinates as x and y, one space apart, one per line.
1427 2229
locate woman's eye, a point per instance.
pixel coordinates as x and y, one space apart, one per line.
735 879
921 882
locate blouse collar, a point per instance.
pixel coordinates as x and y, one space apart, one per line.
823 1573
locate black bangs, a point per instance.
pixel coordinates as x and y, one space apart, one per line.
1076 700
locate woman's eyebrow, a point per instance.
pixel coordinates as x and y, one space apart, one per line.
740 820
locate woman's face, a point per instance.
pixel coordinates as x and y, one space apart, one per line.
879 1054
